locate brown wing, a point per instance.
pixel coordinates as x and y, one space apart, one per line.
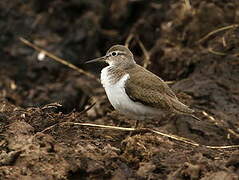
149 89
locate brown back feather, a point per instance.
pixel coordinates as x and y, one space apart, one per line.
149 89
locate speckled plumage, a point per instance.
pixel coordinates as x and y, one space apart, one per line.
133 90
147 88
116 93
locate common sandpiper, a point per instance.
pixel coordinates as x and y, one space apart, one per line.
133 90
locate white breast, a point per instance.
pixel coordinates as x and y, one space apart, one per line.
120 100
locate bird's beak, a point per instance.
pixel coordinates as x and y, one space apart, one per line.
100 59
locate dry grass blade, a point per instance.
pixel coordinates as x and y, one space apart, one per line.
220 124
104 126
52 105
222 147
224 42
187 4
128 40
146 54
169 82
177 138
216 31
90 125
62 61
216 52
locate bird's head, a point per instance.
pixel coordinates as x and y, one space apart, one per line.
117 55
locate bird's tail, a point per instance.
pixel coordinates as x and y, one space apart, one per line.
181 108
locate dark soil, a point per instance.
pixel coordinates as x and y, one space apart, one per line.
205 74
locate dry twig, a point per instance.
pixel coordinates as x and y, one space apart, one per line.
224 42
52 105
187 4
146 54
169 82
177 138
216 123
216 31
60 60
129 39
216 52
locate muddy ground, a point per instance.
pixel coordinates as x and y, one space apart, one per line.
40 141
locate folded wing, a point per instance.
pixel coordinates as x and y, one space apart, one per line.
149 89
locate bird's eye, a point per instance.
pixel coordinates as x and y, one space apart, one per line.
114 53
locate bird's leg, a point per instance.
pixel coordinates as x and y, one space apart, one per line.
195 117
136 124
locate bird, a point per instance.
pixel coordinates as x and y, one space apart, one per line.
135 91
